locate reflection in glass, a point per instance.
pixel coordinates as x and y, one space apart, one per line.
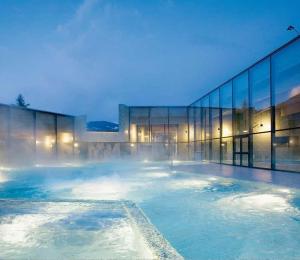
215 150
259 78
215 113
226 107
262 150
286 84
241 104
226 150
287 149
205 119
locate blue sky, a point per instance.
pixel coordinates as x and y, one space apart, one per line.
86 57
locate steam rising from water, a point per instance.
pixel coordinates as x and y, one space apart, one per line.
256 202
189 184
3 177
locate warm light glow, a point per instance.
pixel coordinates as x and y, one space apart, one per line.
3 177
226 131
76 145
132 145
49 142
245 131
37 142
66 138
126 132
133 132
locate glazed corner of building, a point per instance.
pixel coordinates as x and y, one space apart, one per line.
251 120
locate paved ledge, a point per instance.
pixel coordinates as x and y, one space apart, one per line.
282 178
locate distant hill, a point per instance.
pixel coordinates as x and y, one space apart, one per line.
102 126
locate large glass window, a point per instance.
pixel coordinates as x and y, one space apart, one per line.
45 136
139 125
22 141
286 84
226 107
198 121
124 121
287 150
191 112
215 155
205 118
215 113
259 78
226 150
178 124
65 137
262 150
159 124
206 150
198 151
241 104
3 133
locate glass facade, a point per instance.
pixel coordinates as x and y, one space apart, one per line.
30 136
253 119
158 133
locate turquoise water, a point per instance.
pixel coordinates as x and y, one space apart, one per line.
203 216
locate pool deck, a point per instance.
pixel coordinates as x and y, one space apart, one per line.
282 178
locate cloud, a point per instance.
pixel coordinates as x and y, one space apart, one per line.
139 53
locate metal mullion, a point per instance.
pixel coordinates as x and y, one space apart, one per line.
272 96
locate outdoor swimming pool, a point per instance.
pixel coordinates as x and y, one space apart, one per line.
202 215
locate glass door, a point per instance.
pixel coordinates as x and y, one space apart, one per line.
241 150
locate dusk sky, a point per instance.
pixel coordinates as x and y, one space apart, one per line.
86 57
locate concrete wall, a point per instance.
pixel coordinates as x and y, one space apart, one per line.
102 137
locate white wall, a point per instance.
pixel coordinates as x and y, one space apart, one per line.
105 137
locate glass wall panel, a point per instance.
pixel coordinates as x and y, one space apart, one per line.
241 104
124 121
226 150
286 86
22 142
262 150
198 121
215 113
259 78
139 124
226 107
159 124
65 137
182 151
192 150
45 136
198 151
215 155
4 136
191 119
205 117
178 124
206 151
287 150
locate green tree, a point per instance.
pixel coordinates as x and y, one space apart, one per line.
21 101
